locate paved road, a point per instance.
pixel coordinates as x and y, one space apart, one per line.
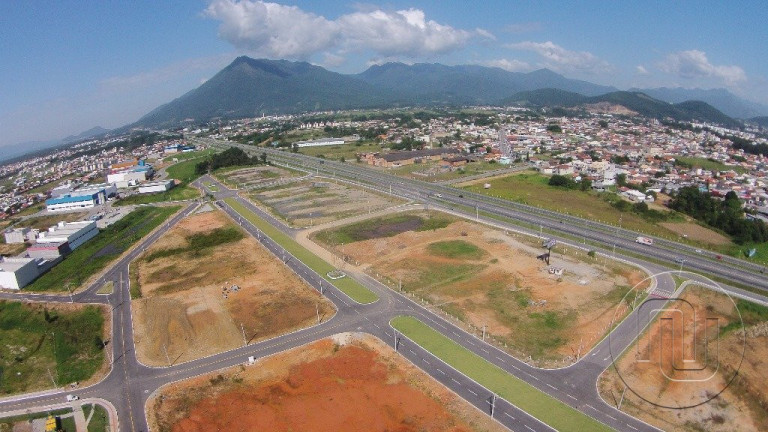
467 203
129 384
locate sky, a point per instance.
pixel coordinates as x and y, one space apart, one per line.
69 65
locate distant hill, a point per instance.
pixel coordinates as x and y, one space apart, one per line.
760 121
725 101
90 133
545 97
250 87
635 101
467 84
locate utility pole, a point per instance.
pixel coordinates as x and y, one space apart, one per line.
493 403
397 340
317 311
477 213
483 332
69 288
242 329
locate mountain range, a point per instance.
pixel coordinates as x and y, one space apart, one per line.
252 87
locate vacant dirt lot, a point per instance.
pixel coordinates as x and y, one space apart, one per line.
190 308
486 277
349 383
658 379
255 177
317 201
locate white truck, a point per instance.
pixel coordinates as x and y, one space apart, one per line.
644 240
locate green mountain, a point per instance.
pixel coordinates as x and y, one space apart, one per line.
250 88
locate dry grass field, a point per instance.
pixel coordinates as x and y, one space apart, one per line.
659 379
486 277
188 306
350 383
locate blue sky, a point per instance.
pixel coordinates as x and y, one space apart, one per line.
67 66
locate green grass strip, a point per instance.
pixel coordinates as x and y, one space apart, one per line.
347 285
526 397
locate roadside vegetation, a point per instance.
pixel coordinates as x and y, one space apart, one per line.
540 405
200 243
97 253
43 343
347 285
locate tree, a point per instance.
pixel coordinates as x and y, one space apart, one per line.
621 179
554 128
295 148
586 184
263 157
561 181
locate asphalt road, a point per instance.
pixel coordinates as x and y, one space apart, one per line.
129 383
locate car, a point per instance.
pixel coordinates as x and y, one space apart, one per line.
437 195
698 251
72 398
679 260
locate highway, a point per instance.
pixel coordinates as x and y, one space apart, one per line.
571 229
129 384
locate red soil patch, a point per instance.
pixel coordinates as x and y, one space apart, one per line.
363 386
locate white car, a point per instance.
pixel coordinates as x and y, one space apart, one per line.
72 398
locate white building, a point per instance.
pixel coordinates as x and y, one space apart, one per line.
81 199
16 273
74 233
320 142
158 186
17 235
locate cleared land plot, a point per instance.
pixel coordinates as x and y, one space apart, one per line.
532 189
318 201
348 286
11 249
432 171
24 423
349 383
556 414
697 233
188 306
347 151
254 177
97 253
485 277
45 342
742 406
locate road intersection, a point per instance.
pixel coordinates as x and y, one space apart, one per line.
129 384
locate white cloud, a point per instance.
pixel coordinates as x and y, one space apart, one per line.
561 59
510 65
694 64
275 30
641 70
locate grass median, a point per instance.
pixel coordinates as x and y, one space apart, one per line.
536 403
349 286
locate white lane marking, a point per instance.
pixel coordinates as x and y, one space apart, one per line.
485 350
377 326
611 417
455 380
533 377
499 358
551 386
441 371
425 361
571 396
471 391
590 406
508 415
529 428
631 426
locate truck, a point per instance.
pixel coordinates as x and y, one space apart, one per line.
644 240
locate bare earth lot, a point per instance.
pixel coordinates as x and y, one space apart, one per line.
255 177
697 233
349 383
742 406
317 201
486 277
189 308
